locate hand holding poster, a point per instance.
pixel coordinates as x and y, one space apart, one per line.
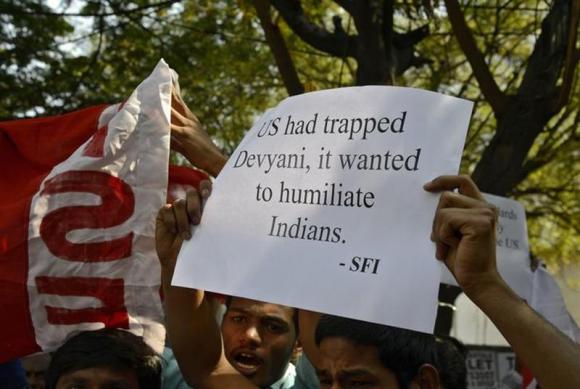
512 249
322 207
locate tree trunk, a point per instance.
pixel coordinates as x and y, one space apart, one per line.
380 52
280 52
503 163
374 53
501 167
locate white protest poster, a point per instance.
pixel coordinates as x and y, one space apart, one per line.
512 248
322 207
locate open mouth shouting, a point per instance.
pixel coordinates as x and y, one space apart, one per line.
246 362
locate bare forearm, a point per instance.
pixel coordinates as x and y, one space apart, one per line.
213 163
192 330
464 232
553 358
217 164
199 151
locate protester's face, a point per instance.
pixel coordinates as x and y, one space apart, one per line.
98 378
259 339
35 366
348 365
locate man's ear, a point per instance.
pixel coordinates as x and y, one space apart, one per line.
427 378
297 350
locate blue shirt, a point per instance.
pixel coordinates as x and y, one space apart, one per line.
301 376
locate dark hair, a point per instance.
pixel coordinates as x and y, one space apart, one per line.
401 351
451 355
295 321
111 348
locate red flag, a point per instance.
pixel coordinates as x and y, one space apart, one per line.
79 194
28 151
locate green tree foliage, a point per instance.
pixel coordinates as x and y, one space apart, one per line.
236 58
516 59
28 53
549 184
225 68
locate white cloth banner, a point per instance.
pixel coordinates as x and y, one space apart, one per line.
92 259
322 207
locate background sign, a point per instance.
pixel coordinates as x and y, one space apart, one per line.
492 368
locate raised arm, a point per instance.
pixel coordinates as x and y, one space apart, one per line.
190 317
192 326
191 322
464 232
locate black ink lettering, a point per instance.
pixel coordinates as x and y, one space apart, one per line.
302 229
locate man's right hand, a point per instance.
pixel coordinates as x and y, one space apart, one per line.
173 224
464 232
